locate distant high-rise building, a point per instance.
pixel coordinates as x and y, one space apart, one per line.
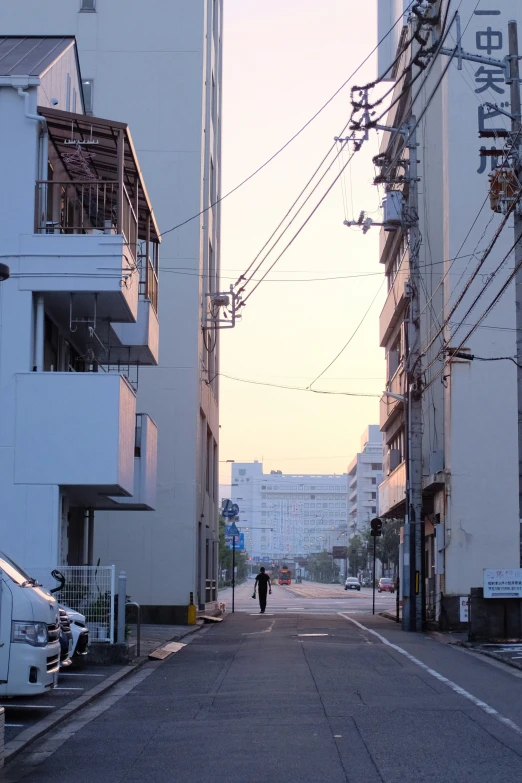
364 477
286 514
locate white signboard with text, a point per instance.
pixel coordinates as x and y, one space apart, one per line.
503 583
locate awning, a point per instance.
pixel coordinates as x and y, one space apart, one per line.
66 127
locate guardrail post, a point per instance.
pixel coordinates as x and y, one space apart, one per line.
122 598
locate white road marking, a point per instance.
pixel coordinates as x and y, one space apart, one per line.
29 706
259 614
14 725
482 705
68 689
312 634
79 674
256 633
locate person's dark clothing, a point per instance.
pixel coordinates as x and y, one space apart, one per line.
262 584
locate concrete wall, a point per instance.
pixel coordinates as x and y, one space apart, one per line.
471 412
151 65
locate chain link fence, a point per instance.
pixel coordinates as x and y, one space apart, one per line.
89 590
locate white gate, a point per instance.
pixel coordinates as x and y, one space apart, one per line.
89 590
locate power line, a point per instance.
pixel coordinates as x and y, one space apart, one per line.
294 388
476 325
472 277
345 346
260 264
290 243
295 136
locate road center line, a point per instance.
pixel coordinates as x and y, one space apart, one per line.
440 677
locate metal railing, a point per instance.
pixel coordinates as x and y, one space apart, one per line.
89 590
85 207
149 277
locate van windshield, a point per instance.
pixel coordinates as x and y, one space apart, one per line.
14 571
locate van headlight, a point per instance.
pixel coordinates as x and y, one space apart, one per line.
35 634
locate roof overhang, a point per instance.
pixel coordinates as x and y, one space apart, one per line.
66 127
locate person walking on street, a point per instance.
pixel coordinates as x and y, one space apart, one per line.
262 585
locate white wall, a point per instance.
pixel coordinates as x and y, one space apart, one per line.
471 412
154 80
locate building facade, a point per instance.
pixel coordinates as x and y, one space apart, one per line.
158 66
364 477
286 515
76 317
469 408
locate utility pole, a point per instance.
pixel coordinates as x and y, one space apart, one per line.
414 397
514 76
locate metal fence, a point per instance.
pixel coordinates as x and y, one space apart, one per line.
89 590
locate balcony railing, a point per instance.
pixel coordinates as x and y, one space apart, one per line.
85 207
149 277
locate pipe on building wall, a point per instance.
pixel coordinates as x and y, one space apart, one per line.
90 538
40 333
45 134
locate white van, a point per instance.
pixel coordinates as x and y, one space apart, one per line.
29 633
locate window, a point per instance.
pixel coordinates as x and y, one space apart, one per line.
376 466
210 451
374 480
87 5
88 91
312 497
263 487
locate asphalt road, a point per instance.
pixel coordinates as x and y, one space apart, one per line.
308 597
301 698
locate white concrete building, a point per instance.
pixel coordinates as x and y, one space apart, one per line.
76 316
157 65
283 515
470 455
364 477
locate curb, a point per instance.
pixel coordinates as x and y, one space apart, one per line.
492 654
33 733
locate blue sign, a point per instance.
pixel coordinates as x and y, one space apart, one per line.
240 542
256 559
266 560
229 509
231 530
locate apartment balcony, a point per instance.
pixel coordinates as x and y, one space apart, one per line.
94 251
389 407
138 343
392 491
395 303
145 470
76 430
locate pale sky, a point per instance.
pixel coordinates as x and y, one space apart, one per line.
283 60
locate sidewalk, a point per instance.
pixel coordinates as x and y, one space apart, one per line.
48 718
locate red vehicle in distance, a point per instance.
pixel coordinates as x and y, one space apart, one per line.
386 585
285 576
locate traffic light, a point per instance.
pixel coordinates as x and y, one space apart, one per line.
376 527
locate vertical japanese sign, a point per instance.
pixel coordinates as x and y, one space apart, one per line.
490 85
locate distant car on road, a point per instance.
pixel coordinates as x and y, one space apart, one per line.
386 585
352 584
